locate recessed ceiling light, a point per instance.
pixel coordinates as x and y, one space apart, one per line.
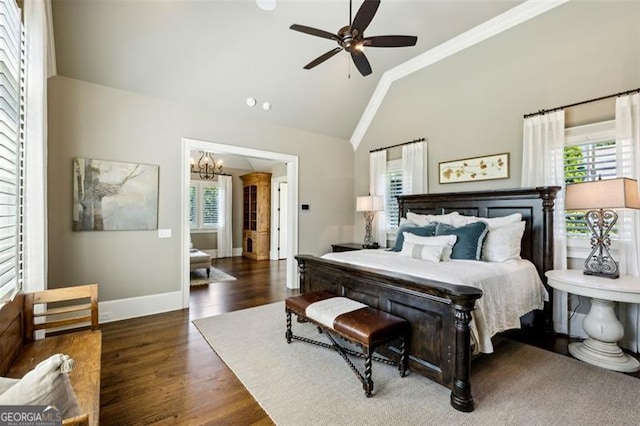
251 102
266 106
267 5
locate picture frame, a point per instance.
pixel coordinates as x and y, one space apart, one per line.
488 167
114 196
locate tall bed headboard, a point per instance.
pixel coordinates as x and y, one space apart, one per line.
535 205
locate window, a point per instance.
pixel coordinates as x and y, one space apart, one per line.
11 146
589 154
203 206
393 179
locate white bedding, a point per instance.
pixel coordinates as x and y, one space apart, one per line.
510 289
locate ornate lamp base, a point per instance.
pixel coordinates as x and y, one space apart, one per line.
369 243
599 262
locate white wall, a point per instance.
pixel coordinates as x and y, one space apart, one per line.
472 103
88 120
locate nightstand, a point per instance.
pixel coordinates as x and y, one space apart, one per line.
346 247
601 324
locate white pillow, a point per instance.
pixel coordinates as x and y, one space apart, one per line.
446 241
46 384
421 251
503 242
425 219
493 222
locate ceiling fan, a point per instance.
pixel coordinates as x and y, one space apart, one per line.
351 38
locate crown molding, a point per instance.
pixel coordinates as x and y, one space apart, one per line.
503 22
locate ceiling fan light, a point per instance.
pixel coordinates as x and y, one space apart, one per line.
267 5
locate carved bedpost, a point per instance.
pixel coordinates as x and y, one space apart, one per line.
548 196
461 398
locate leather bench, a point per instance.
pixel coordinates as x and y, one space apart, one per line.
353 321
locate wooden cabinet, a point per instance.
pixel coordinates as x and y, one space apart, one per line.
256 215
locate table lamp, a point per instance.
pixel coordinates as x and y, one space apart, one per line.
599 198
369 205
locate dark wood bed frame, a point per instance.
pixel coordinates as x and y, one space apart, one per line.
440 313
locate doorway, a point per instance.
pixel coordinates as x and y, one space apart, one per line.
291 201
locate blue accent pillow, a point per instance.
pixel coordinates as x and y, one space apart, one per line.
470 239
422 231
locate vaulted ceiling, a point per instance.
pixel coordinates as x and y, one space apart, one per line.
213 54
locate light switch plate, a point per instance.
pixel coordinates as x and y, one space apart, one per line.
164 233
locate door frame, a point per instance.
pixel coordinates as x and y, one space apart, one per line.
275 219
291 161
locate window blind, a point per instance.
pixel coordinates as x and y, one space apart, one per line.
193 206
11 142
394 188
584 163
203 205
209 206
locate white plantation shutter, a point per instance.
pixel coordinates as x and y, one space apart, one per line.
209 206
590 154
11 141
193 205
394 180
204 205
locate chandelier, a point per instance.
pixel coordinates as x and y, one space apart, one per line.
206 167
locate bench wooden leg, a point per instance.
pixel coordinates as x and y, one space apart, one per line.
367 383
402 364
288 334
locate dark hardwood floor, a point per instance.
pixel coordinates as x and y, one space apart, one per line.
159 370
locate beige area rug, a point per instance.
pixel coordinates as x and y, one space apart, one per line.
199 276
302 384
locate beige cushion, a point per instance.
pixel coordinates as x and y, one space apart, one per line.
47 384
446 241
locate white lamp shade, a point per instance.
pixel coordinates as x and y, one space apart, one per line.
619 193
370 203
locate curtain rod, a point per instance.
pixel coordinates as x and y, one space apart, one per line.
400 144
545 111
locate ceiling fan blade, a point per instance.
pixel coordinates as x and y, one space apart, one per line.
390 41
365 15
322 58
314 32
362 63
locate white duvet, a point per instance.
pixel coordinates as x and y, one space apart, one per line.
510 289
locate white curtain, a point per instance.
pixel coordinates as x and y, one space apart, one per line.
225 239
543 165
377 186
628 161
35 170
414 168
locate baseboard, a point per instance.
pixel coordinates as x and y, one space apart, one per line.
116 310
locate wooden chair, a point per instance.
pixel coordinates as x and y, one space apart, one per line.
74 307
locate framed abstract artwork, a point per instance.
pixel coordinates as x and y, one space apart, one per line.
114 196
475 169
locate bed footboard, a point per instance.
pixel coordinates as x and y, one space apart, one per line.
439 314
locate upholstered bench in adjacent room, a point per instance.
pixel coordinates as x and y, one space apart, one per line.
199 259
353 321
